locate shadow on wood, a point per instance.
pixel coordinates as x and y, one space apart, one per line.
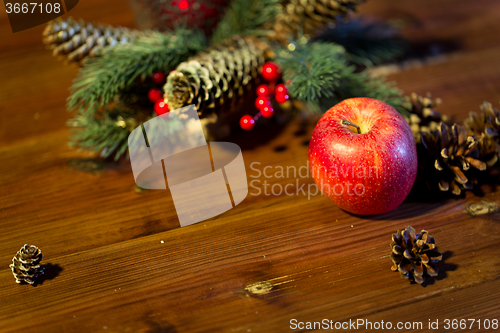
51 271
443 267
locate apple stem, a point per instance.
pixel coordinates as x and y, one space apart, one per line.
345 122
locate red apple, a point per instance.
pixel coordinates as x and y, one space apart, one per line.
363 156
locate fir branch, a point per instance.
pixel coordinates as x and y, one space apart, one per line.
104 135
246 17
319 75
366 43
107 131
103 77
312 72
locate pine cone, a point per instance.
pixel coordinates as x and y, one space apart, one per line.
486 124
26 264
78 40
423 116
414 254
306 16
215 80
448 155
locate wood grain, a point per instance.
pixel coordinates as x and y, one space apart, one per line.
117 260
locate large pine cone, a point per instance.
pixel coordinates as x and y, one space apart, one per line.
307 16
26 264
78 40
486 124
215 80
487 121
414 254
423 115
447 156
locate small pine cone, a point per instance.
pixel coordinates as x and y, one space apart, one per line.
26 264
78 40
306 16
486 124
447 156
414 254
423 115
215 80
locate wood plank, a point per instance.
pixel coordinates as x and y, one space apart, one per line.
462 80
315 265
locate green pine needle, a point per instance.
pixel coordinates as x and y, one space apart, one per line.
320 75
312 72
116 70
98 135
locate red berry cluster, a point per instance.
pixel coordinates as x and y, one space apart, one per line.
155 94
270 72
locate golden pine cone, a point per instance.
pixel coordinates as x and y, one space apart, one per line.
26 264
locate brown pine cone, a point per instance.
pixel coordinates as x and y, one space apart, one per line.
215 80
26 264
447 156
486 125
414 255
423 115
306 16
487 121
78 40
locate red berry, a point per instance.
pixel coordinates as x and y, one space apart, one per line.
263 90
267 112
260 102
183 5
247 122
161 107
281 98
154 94
158 77
281 89
270 71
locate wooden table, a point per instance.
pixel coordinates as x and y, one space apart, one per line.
117 260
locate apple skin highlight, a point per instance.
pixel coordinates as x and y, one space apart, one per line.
367 173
